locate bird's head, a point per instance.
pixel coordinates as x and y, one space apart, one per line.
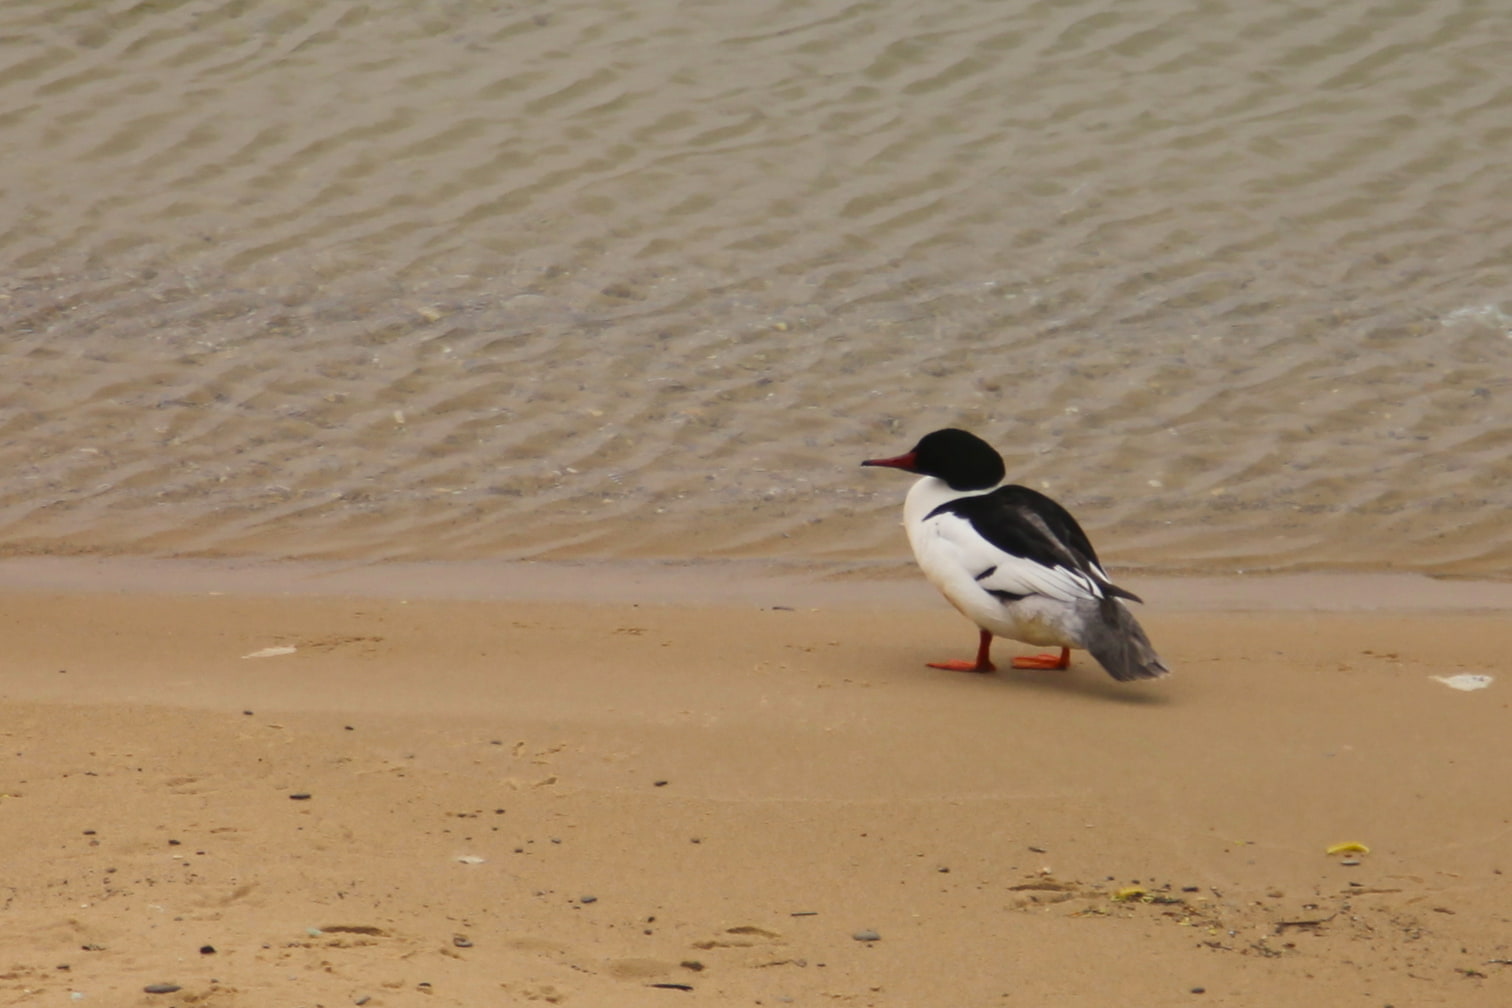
958 457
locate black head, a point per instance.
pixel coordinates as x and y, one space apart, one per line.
958 457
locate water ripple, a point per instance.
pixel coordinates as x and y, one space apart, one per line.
608 279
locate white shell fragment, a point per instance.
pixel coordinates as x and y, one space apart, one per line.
1465 682
270 652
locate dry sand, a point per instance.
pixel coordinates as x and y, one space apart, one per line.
490 802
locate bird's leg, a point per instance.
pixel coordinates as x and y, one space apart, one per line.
983 661
1045 661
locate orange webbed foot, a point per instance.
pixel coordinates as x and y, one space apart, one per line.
963 666
1044 661
983 661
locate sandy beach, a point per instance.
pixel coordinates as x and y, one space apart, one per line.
276 797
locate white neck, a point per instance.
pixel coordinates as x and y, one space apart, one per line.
929 493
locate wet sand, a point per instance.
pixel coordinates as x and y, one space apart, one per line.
450 801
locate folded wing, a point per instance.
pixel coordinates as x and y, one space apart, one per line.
1016 541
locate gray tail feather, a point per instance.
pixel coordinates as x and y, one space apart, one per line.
1119 644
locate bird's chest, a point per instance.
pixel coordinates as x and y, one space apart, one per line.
957 571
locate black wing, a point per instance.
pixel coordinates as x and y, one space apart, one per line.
1025 523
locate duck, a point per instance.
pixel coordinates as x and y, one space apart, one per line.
1014 562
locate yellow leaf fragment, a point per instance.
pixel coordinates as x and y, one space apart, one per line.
1349 848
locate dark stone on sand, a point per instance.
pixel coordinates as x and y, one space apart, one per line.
161 989
300 796
867 936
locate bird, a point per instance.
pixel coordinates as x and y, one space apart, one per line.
1014 562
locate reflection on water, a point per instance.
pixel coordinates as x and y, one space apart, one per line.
625 280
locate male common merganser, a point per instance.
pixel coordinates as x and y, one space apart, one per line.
1014 562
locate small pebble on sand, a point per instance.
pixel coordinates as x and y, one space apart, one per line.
867 936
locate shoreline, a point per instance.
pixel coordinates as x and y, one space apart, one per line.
722 582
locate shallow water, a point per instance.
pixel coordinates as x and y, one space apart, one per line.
623 280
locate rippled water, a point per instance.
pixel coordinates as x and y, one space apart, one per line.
639 279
